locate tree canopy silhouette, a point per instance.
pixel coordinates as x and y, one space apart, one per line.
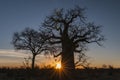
70 30
30 39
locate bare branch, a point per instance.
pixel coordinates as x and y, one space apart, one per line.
55 42
57 54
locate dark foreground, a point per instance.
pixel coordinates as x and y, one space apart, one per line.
51 74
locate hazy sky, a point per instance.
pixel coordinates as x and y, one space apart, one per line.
15 15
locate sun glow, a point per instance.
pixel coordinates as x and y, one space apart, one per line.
58 65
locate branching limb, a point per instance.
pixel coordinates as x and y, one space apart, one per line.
57 54
54 42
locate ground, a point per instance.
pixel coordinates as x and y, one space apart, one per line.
51 74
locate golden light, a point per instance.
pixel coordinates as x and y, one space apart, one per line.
58 65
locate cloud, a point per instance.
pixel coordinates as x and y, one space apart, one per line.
9 57
12 53
15 53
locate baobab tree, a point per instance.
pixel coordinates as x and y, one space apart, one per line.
70 30
30 39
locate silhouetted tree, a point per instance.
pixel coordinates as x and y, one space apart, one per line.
70 30
26 63
31 40
82 61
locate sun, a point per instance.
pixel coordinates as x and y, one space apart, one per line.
58 65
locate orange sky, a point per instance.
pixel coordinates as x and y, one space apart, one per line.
12 58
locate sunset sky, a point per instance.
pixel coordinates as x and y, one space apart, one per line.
15 15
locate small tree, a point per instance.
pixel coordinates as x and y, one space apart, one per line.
31 40
26 62
82 61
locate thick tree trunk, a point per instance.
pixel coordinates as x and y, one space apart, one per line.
68 59
67 62
67 52
33 61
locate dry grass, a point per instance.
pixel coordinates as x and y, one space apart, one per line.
50 73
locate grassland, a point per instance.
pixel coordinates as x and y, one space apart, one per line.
50 74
